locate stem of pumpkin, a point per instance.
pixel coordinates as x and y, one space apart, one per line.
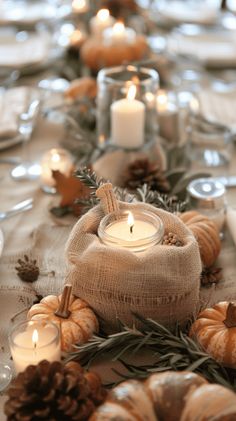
230 320
63 309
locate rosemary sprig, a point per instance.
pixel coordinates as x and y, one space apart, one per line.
170 350
89 179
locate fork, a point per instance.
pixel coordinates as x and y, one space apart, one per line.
19 207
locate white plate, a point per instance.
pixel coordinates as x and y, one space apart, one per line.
1 241
215 49
31 12
27 51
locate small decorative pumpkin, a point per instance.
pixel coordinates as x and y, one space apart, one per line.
97 55
206 234
215 331
169 396
76 320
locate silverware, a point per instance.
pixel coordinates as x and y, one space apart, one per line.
19 207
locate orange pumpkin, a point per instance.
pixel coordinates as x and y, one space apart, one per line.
168 396
77 322
215 331
206 234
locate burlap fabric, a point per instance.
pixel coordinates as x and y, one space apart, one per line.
161 283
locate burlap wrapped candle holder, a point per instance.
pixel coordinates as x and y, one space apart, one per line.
161 283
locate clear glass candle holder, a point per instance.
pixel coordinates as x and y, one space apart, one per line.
208 196
34 341
113 86
143 232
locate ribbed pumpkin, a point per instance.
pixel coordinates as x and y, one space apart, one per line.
215 331
206 234
77 322
168 396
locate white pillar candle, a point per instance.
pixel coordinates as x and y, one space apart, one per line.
33 343
80 6
231 222
135 232
56 159
119 34
167 117
127 121
100 22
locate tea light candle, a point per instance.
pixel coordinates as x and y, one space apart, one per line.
80 6
77 38
100 22
32 342
135 231
119 34
167 117
127 121
54 159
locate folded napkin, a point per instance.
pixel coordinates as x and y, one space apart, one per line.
13 102
210 49
218 107
17 54
180 12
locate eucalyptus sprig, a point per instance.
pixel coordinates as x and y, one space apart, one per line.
170 350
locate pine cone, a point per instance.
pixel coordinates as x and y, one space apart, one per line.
171 239
142 171
210 276
28 271
53 392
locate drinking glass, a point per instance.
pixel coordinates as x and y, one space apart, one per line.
27 170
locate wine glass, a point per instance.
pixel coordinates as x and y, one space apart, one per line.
27 170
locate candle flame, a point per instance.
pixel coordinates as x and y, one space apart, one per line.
78 4
162 98
118 28
131 94
130 221
103 14
55 157
35 337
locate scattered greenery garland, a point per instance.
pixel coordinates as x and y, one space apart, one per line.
171 350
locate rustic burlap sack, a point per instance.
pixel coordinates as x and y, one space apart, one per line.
161 283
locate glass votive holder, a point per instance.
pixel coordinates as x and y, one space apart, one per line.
208 196
34 341
210 144
135 231
56 159
126 113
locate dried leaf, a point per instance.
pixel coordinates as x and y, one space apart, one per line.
70 188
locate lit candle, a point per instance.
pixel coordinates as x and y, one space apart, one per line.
32 342
127 121
135 232
56 159
100 22
80 6
119 34
168 118
77 38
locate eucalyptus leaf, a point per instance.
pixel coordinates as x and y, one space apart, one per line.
184 181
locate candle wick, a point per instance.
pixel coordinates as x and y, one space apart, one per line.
131 229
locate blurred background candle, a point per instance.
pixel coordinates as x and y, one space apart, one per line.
167 114
80 6
119 34
56 159
100 22
34 341
135 230
127 121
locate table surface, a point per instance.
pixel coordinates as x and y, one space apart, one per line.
42 236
